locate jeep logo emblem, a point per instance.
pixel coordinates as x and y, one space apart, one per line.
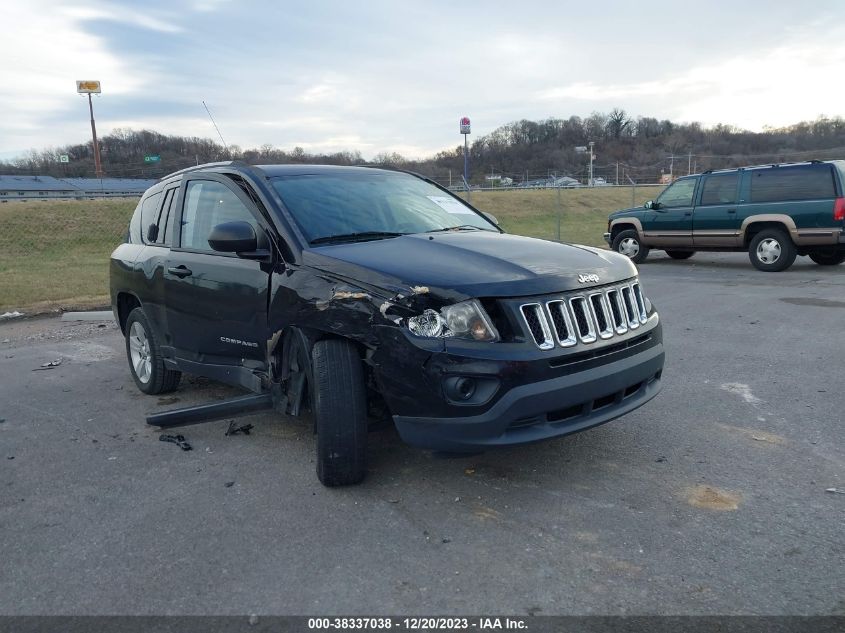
584 278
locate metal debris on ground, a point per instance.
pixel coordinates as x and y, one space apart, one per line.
179 440
234 430
50 365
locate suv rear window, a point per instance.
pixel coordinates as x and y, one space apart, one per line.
811 182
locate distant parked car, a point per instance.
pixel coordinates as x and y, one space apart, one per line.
775 212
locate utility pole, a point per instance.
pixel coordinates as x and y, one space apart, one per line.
450 179
98 169
617 172
689 163
591 144
671 167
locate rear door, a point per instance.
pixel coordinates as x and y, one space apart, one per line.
671 223
715 220
216 302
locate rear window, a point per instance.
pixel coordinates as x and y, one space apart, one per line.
149 213
811 182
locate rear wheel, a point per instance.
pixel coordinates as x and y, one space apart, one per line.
833 258
628 243
340 412
680 254
772 250
145 358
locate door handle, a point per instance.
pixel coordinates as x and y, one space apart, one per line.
180 271
688 213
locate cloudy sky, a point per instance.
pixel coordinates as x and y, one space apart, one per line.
396 76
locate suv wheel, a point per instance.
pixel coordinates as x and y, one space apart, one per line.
628 243
145 359
828 259
772 250
340 412
680 254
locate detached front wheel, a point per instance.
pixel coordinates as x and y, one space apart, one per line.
628 243
340 412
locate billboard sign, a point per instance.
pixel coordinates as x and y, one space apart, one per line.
88 87
465 125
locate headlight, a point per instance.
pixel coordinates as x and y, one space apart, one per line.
460 320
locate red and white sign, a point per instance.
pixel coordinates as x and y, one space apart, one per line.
465 125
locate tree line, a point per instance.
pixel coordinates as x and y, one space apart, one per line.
641 149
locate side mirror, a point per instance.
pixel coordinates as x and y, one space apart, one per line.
233 237
491 217
652 204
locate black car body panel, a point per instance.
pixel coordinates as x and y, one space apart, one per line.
249 320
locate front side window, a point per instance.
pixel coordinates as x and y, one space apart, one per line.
369 205
778 184
719 189
207 204
678 194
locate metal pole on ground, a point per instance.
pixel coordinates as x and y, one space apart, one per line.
558 213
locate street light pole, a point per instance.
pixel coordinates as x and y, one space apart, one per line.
591 143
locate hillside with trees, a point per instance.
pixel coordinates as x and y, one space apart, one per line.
640 149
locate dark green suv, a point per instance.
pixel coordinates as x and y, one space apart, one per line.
775 212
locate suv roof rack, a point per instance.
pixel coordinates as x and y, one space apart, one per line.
239 165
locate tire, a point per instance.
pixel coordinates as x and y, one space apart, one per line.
628 243
146 362
680 254
828 259
340 413
772 250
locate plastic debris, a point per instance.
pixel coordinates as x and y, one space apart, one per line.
179 440
234 430
835 491
10 315
229 484
50 365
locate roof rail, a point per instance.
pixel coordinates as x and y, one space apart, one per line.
239 164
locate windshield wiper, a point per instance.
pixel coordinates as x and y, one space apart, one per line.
460 227
355 237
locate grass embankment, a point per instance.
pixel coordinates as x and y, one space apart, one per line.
55 253
583 212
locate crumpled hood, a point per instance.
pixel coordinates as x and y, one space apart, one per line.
471 263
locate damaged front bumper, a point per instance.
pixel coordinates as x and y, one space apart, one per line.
523 399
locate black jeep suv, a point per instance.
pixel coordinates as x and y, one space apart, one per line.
350 290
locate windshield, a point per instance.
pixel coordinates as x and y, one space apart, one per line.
372 205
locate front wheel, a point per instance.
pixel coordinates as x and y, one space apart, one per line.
340 412
628 243
828 259
145 358
680 254
772 250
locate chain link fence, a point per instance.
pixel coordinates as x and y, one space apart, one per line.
55 253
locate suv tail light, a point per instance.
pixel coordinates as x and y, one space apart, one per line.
839 209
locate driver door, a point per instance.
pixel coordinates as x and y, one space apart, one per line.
670 223
216 303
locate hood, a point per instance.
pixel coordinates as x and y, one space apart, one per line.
471 263
625 212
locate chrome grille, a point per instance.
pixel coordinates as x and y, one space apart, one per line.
537 325
585 318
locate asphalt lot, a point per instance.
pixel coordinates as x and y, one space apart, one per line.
711 499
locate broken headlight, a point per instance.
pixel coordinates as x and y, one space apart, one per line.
460 320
